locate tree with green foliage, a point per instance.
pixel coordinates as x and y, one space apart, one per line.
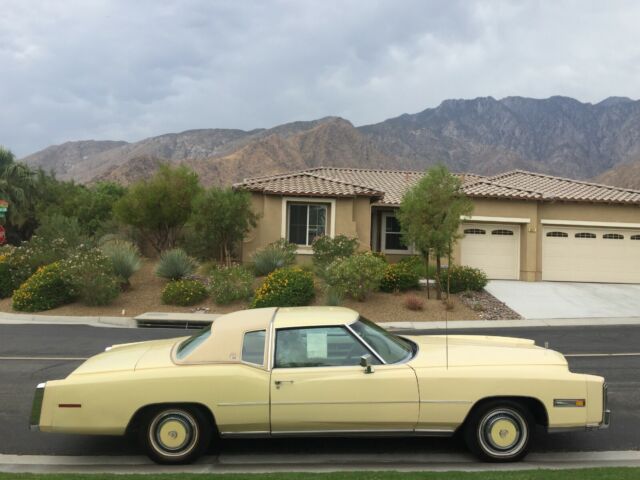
17 186
430 214
222 217
160 207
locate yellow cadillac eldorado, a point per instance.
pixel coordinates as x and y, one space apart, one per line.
320 371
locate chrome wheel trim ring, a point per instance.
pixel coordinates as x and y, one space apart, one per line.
490 420
186 420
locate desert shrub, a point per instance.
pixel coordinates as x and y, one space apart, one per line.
49 287
175 264
184 292
285 287
276 255
463 278
356 276
333 297
416 263
124 257
399 277
229 284
413 302
56 226
326 250
91 274
6 283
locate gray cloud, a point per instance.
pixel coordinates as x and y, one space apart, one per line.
129 69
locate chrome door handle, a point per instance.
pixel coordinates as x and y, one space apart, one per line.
279 383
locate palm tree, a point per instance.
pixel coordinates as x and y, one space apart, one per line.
17 186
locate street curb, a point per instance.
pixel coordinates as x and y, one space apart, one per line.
21 319
529 323
128 322
228 463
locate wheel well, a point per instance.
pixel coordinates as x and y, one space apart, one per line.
138 416
532 404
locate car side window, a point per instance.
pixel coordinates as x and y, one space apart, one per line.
253 347
317 347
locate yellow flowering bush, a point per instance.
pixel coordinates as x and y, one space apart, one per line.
183 292
285 287
399 277
49 287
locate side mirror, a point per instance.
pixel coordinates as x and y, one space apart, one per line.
365 362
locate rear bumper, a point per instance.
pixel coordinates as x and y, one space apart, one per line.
36 407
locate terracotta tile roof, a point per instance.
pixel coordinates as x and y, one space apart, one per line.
307 183
387 187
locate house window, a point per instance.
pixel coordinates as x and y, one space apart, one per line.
557 234
635 237
306 222
392 234
613 236
502 232
585 235
474 231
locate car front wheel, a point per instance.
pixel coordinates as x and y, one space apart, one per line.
499 431
174 435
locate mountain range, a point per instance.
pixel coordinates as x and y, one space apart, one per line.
557 135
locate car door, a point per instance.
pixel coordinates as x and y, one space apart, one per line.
318 385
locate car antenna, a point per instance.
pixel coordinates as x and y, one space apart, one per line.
446 330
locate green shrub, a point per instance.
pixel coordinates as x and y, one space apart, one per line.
399 277
278 254
6 282
285 287
184 292
356 276
49 287
57 226
91 274
124 257
416 262
175 264
229 284
463 278
326 250
333 297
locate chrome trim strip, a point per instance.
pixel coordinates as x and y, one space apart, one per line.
36 407
272 341
242 404
447 401
364 342
254 434
373 433
311 402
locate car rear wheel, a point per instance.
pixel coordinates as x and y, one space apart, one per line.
174 435
499 431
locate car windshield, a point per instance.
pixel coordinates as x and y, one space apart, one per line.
392 349
193 342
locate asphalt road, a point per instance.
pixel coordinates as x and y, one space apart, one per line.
47 344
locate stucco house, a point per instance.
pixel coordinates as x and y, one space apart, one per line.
524 225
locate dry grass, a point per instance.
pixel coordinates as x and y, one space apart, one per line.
144 296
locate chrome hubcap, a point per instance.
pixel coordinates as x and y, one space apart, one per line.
173 433
503 432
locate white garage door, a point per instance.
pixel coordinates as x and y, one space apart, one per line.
591 255
495 249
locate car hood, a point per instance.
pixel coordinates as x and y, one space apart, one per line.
480 350
131 356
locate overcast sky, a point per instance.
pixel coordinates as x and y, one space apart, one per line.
125 69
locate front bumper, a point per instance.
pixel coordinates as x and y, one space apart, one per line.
36 407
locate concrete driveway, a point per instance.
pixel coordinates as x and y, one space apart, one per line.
544 300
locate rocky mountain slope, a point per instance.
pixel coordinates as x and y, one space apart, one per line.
558 135
626 175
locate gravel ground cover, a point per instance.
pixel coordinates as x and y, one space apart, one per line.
144 296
